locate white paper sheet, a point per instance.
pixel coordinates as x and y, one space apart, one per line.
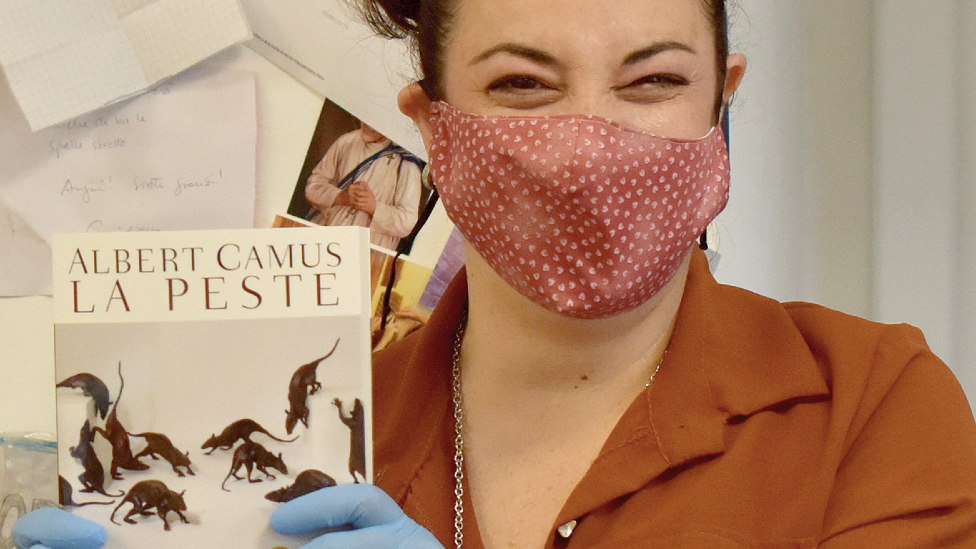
25 257
180 157
325 45
64 58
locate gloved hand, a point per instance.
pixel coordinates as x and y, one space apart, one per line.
376 520
54 528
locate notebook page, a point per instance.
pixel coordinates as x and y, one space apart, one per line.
64 58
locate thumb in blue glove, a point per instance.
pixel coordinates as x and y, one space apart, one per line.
54 528
376 520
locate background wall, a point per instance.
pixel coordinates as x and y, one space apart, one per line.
854 158
854 163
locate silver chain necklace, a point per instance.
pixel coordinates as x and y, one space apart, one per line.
458 436
459 431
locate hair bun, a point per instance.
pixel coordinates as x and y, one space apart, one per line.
391 18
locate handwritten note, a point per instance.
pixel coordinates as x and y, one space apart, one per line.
64 58
181 156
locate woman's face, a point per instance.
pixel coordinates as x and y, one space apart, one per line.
647 64
369 134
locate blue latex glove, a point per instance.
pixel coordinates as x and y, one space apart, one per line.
54 528
377 521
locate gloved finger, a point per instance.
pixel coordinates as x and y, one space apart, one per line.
56 528
403 533
360 505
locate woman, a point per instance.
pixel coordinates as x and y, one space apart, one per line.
622 406
366 180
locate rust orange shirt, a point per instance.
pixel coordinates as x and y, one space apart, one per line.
769 425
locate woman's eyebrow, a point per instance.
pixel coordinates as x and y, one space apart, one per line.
654 49
519 50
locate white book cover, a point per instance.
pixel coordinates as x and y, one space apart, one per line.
203 376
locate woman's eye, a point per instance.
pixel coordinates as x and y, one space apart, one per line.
660 80
653 88
515 83
522 92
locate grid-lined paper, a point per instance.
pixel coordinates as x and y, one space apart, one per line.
64 58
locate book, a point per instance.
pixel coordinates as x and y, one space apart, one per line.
203 374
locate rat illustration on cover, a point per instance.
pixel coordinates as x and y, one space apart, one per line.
356 421
91 387
241 429
115 433
303 383
152 494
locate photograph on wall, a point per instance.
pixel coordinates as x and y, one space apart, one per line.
353 175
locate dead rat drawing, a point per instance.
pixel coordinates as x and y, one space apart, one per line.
158 444
64 495
92 387
85 437
116 434
241 429
148 494
357 438
93 479
306 482
252 455
303 383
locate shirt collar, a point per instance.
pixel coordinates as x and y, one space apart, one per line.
732 354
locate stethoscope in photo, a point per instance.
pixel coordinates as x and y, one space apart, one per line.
406 243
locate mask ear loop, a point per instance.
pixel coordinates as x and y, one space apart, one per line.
407 241
723 120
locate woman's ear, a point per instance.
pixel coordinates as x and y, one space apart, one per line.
735 67
413 102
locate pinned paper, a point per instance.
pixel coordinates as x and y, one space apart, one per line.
179 157
64 58
327 46
26 263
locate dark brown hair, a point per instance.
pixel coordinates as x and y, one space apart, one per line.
426 24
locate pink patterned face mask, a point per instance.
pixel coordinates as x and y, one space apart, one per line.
578 214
